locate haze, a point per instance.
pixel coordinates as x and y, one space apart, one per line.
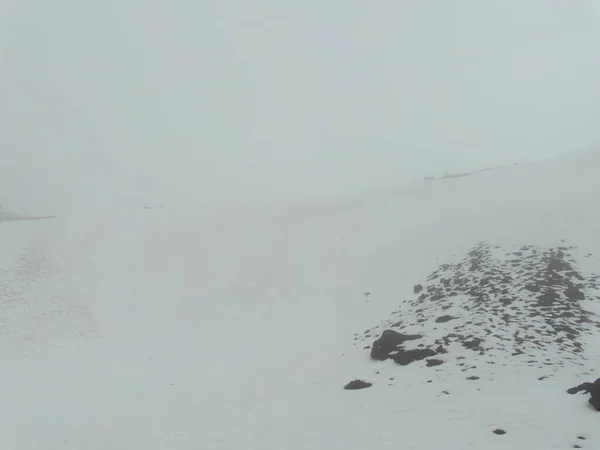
150 102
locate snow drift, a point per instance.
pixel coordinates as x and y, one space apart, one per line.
190 329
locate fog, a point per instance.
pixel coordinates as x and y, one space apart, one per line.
138 102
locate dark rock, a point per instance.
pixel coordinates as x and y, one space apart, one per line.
357 384
443 319
473 378
472 345
405 357
498 431
441 350
574 293
434 362
418 288
389 342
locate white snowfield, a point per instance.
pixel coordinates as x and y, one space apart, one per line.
181 330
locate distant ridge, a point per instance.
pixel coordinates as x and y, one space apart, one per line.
10 217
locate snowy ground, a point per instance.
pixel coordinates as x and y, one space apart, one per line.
169 329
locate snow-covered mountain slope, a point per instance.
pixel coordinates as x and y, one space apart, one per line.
500 305
170 329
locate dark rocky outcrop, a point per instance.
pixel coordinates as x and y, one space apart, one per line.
483 297
357 384
434 362
389 342
444 319
405 357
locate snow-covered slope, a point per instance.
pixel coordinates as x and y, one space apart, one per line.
169 329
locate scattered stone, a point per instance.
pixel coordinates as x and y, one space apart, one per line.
473 378
498 431
472 345
405 357
434 362
441 350
418 288
443 319
357 384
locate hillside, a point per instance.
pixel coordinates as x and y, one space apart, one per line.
233 329
11 217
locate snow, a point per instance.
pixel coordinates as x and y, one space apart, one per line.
174 329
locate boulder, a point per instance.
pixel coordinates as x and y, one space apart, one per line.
389 342
405 357
357 384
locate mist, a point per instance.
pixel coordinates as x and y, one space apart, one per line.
136 102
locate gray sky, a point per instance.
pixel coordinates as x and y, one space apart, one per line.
149 101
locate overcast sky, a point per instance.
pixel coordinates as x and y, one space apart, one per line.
149 101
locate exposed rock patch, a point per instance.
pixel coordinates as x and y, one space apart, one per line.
443 319
357 384
405 357
434 362
525 304
389 342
